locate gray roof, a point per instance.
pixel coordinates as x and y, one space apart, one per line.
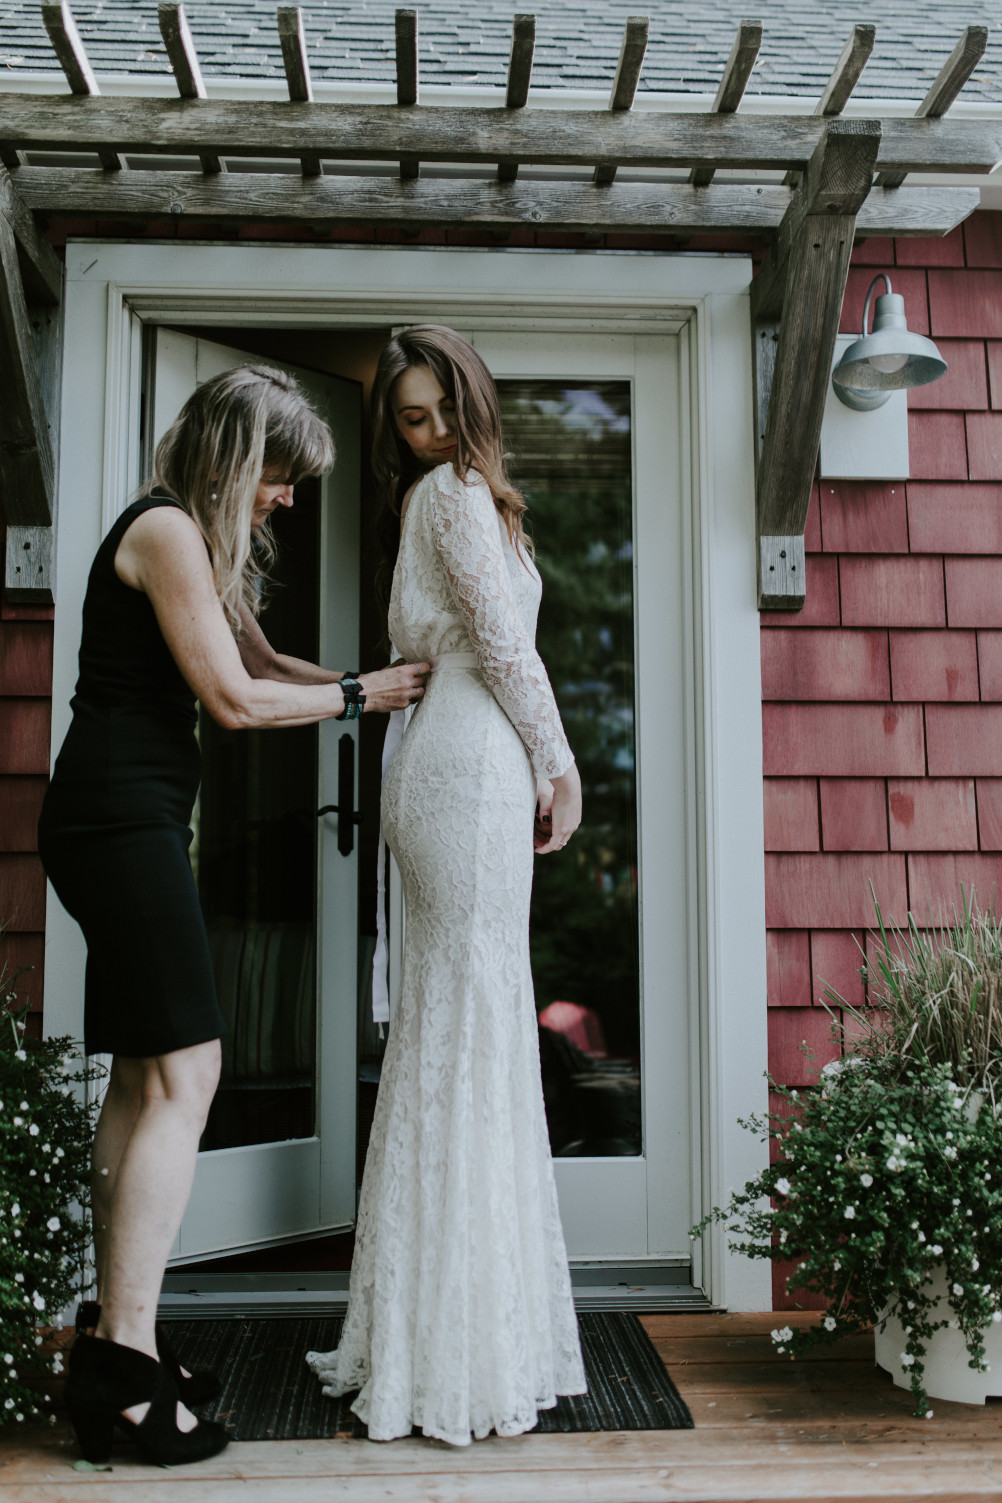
577 42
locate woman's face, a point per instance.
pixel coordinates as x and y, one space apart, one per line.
271 492
424 415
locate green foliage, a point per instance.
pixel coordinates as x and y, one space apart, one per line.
892 1166
46 1130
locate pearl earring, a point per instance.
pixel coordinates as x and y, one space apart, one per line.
213 496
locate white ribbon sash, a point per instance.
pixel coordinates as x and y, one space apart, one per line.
394 735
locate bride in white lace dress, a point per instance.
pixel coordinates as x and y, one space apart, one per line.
460 1319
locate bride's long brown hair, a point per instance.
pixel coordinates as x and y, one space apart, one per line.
465 379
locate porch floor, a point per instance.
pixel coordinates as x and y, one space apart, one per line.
828 1427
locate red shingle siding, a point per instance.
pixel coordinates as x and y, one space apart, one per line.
907 763
791 814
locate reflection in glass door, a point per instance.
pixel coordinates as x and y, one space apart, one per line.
572 458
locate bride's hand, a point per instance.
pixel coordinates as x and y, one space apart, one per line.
544 804
394 688
564 812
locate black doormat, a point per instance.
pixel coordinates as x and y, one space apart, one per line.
270 1394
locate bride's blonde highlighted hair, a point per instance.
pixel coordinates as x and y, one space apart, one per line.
465 379
236 427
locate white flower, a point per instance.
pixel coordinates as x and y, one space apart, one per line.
900 1138
53 1223
850 1213
33 1130
936 1250
15 1209
907 1360
838 1158
782 1238
19 1278
958 1288
892 1162
57 1363
921 1236
783 1333
783 1186
928 1414
18 1121
20 1054
830 1322
996 1316
38 1301
975 1265
8 1403
866 1180
949 1152
957 1104
954 1325
8 1358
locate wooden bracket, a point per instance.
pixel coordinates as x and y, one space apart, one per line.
802 283
28 574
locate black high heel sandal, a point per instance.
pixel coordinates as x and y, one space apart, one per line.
105 1379
196 1387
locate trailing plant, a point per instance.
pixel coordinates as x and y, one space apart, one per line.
46 1129
891 1166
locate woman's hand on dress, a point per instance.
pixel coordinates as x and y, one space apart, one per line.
394 688
558 813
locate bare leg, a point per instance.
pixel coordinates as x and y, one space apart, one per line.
115 1126
156 1168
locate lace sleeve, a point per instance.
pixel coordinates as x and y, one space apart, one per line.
469 543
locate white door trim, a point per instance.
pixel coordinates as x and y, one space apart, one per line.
702 297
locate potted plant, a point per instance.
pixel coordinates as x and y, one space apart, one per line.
46 1130
886 1193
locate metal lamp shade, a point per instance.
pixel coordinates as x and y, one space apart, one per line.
907 359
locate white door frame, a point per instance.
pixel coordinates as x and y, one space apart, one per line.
111 287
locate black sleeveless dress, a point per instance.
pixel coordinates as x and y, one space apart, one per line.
114 829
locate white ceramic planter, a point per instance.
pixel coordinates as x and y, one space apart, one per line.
947 1375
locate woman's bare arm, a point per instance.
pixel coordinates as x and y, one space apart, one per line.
262 661
163 554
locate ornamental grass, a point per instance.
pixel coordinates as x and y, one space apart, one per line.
46 1129
890 1166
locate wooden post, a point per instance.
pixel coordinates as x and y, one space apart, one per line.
297 72
26 463
947 84
69 49
177 37
737 72
803 277
624 85
523 43
407 76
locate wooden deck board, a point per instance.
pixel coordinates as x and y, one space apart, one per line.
828 1430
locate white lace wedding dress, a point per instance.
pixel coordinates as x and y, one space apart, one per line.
460 1319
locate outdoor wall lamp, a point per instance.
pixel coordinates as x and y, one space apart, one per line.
887 359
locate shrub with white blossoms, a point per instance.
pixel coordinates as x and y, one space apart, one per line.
893 1169
45 1144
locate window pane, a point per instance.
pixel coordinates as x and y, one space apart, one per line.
571 446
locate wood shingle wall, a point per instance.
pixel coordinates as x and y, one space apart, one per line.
882 700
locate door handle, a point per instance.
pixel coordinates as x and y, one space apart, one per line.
347 815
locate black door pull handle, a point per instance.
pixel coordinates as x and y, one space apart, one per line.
347 815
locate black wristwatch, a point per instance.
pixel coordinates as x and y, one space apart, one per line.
354 697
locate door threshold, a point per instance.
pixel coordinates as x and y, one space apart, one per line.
225 1296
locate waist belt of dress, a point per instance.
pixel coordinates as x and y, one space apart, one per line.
394 736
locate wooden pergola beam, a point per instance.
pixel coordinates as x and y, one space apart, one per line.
624 85
26 461
68 46
292 36
844 78
674 208
945 87
812 251
523 45
41 268
737 71
183 58
280 129
406 25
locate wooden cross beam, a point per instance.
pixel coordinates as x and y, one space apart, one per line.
737 72
523 45
180 46
297 71
804 276
673 208
624 85
435 133
947 84
844 78
69 49
407 78
41 268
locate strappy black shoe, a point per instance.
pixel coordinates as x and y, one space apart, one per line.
193 1388
105 1379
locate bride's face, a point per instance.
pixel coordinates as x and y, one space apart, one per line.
424 415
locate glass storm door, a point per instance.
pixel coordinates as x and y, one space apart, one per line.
277 881
591 423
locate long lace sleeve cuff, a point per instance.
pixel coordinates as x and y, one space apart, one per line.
469 542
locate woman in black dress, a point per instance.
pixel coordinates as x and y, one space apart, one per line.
168 619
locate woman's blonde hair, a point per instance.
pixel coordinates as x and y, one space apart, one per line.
234 428
465 379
